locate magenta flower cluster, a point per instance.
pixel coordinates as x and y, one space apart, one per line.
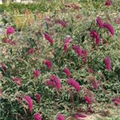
96 35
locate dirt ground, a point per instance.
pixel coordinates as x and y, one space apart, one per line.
105 112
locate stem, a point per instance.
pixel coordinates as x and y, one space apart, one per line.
72 98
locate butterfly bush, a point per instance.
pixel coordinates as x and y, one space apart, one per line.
38 116
60 117
109 27
67 42
59 64
10 30
99 22
37 73
74 84
80 116
0 91
17 80
31 50
88 100
61 22
54 82
49 64
96 36
116 101
67 72
108 3
38 98
78 50
49 38
29 102
108 63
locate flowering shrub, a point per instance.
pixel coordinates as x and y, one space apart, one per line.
70 59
